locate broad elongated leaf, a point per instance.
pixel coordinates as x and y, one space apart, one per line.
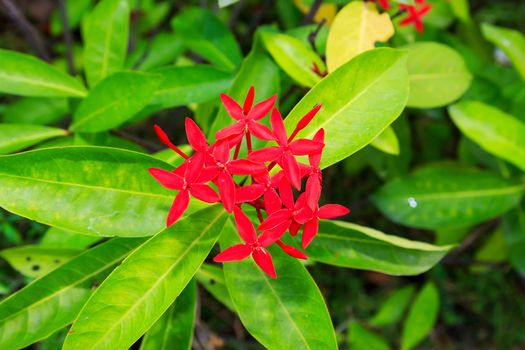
106 39
36 110
360 99
421 317
356 28
387 141
212 278
393 307
207 36
174 330
140 290
495 131
25 75
294 57
511 41
50 303
437 75
163 49
34 261
438 197
14 137
91 190
75 9
514 234
284 313
190 84
349 245
61 239
360 338
115 100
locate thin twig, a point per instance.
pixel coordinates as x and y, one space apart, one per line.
313 35
31 34
257 18
313 11
68 38
150 146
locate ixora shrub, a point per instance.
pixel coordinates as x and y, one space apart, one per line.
132 230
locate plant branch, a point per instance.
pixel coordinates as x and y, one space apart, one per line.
313 35
68 38
312 12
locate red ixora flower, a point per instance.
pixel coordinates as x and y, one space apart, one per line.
250 182
385 4
415 14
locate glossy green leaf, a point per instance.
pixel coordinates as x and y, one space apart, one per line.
360 338
439 197
34 261
494 250
212 278
495 131
511 41
421 317
53 301
393 307
437 75
15 137
257 70
208 37
163 49
62 239
174 330
224 3
90 190
25 75
303 33
345 244
140 290
387 141
294 57
190 84
75 9
36 110
106 39
360 99
514 234
115 100
356 29
283 313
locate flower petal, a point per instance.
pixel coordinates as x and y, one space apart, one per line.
307 118
313 191
309 231
232 107
286 193
244 226
249 193
329 211
245 167
227 190
178 207
205 193
270 236
248 101
194 167
262 108
315 158
292 251
231 131
234 253
268 154
167 178
291 170
272 202
263 258
303 147
259 130
278 128
195 136
274 219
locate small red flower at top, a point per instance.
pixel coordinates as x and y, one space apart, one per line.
415 14
270 194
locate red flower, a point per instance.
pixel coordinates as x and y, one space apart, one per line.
415 14
246 118
285 152
385 4
191 183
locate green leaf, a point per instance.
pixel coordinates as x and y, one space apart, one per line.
140 290
514 234
494 249
224 3
437 75
495 131
283 313
356 28
160 50
208 37
25 75
34 261
294 57
257 70
212 279
106 39
61 239
190 84
14 137
75 9
387 141
421 317
511 41
345 244
174 330
115 100
393 307
90 190
53 301
445 197
360 338
360 99
36 110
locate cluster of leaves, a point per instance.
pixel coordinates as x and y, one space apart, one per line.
108 264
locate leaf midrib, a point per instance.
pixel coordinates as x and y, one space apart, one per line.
43 83
34 137
463 194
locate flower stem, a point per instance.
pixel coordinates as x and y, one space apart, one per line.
249 142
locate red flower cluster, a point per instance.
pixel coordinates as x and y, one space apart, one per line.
266 191
415 13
